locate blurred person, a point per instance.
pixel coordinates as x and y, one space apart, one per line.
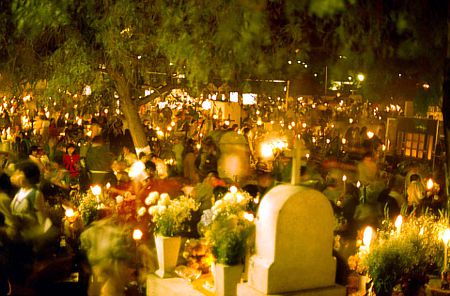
367 169
178 151
161 166
415 191
96 128
28 205
207 157
111 254
127 156
98 162
189 169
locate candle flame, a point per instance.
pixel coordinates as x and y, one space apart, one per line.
367 238
430 184
233 189
137 234
249 216
96 190
69 213
446 236
398 222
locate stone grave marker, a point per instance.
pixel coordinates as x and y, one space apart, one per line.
294 245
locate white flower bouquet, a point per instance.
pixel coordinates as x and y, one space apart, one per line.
228 227
171 216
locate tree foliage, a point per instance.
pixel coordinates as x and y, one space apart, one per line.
71 43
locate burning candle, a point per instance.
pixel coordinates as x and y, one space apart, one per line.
445 239
96 190
344 179
398 224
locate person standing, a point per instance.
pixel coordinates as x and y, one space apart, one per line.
99 161
71 161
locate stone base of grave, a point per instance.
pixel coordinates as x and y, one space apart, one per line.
336 290
170 286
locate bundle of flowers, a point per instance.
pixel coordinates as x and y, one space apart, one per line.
405 254
171 216
88 208
229 228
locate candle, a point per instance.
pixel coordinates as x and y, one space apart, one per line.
344 179
96 190
445 239
398 224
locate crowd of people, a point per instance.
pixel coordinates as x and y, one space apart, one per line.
43 165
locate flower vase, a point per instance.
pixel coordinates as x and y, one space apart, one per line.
167 249
226 278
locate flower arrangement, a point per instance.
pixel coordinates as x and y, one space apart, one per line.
170 216
88 208
404 254
228 227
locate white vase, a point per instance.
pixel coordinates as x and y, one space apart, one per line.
226 279
167 249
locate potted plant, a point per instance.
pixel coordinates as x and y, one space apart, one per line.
170 218
404 255
228 233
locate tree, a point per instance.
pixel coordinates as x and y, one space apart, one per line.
111 45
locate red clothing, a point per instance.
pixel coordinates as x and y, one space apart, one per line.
72 164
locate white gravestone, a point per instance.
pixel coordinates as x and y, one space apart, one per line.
294 243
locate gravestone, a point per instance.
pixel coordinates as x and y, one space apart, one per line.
294 244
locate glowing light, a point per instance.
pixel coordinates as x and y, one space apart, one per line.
446 236
137 234
398 223
358 184
344 141
234 97
141 211
206 105
361 77
344 178
266 150
69 213
430 184
233 189
370 134
96 190
87 90
350 120
304 124
249 216
136 169
367 238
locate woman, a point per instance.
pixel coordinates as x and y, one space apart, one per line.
28 205
71 161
